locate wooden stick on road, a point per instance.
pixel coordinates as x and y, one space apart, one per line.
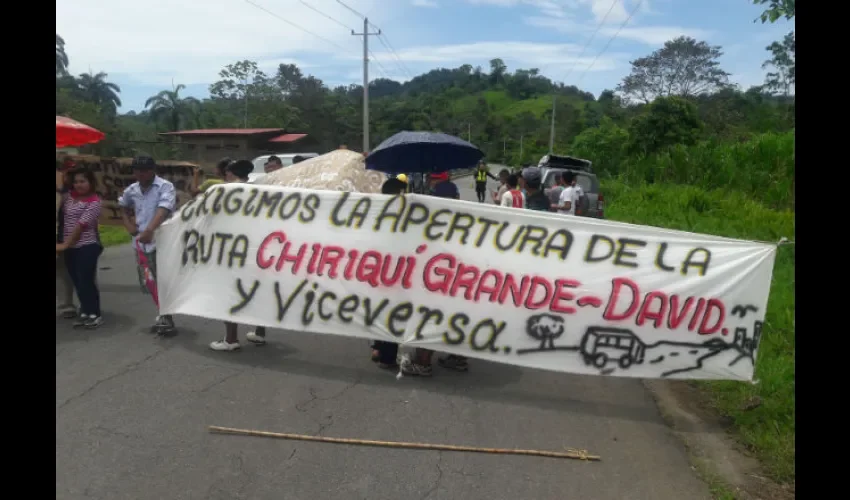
570 453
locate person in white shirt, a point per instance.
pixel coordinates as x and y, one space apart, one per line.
569 196
513 197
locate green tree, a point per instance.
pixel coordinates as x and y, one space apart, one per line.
61 57
682 67
168 107
776 9
605 145
665 122
783 61
95 89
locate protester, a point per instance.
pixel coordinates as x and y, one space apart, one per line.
150 200
503 186
297 159
481 175
513 197
81 244
443 187
384 353
198 187
554 193
421 363
581 200
569 197
534 197
64 287
238 171
273 163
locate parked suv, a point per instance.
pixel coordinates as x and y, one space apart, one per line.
552 166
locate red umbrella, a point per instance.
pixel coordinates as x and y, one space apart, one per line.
70 133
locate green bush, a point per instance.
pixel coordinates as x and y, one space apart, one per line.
762 414
761 168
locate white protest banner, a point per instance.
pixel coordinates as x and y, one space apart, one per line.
569 294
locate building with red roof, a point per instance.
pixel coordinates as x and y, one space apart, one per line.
207 146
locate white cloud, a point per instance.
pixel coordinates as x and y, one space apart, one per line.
547 57
155 41
425 3
656 35
649 35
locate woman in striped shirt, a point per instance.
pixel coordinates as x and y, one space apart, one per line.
81 244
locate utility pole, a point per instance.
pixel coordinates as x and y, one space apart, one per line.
365 36
552 128
504 148
468 132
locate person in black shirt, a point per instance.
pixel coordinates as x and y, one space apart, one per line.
535 198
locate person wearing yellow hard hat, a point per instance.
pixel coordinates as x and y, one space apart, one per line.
403 178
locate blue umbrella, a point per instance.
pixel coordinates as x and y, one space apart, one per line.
408 152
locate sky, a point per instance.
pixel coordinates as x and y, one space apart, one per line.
150 45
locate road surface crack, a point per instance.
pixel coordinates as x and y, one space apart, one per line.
302 407
437 481
127 369
220 381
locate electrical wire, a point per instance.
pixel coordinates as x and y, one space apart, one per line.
590 40
616 34
361 16
381 67
267 11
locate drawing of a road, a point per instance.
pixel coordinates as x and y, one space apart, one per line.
612 349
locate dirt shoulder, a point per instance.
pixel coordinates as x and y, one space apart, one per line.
730 471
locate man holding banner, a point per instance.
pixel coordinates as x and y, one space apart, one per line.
150 200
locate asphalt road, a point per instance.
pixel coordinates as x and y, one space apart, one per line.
132 413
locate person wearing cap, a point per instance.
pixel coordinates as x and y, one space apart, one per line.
238 171
150 200
403 179
65 288
535 199
443 187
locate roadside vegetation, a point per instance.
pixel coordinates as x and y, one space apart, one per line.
113 235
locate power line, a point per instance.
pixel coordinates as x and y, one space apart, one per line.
381 68
361 16
616 34
317 11
589 40
392 51
267 11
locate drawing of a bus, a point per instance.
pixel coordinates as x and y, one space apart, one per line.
601 345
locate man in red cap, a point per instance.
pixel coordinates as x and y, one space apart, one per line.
442 186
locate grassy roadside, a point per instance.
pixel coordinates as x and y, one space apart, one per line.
763 415
113 235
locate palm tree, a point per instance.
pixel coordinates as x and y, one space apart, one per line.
169 107
95 88
61 57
